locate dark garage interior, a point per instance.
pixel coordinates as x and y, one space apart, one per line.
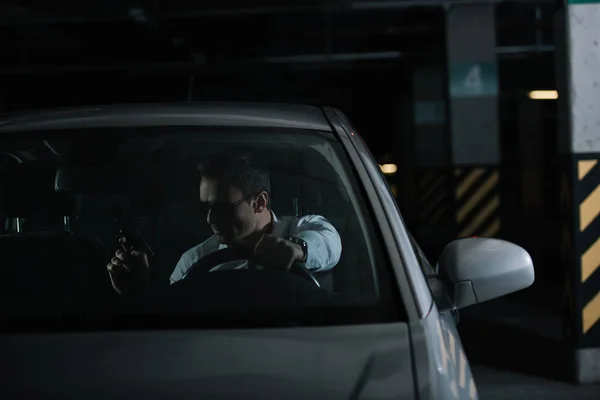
390 67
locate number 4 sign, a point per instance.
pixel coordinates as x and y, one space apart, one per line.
473 80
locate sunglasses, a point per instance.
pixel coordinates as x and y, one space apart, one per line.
221 207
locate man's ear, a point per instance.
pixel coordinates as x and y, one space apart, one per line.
262 202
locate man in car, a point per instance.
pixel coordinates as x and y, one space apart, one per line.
235 194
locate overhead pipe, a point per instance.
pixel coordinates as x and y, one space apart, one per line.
360 5
190 14
240 64
317 58
510 50
392 4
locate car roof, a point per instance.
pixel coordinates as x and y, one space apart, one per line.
263 115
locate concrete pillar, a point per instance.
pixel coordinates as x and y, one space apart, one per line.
578 61
433 176
474 131
429 116
404 141
531 157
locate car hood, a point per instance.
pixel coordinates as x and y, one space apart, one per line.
347 362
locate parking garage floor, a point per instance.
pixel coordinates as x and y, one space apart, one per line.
516 349
496 384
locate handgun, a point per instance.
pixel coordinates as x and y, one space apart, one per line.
128 230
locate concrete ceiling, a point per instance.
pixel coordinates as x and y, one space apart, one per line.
144 35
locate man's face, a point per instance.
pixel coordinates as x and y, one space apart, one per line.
230 220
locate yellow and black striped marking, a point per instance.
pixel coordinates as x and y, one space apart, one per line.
434 194
580 199
477 199
588 246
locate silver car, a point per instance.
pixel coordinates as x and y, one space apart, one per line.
380 325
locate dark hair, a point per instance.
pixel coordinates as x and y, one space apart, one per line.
239 170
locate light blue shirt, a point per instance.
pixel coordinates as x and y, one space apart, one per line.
323 240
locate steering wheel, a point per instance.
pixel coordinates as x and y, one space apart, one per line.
208 262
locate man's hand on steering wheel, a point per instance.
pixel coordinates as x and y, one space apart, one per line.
277 253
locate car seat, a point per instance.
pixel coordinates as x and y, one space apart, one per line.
45 261
94 194
51 266
29 197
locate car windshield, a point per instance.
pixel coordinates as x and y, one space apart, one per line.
68 195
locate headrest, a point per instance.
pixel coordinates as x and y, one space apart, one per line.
96 188
28 190
82 180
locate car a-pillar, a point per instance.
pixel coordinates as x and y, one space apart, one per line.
578 82
474 143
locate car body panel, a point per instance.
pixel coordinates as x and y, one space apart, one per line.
358 362
173 114
443 370
451 378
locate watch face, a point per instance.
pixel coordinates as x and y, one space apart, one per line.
300 243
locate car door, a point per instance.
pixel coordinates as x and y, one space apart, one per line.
457 380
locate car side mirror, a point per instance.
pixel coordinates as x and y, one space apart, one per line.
480 269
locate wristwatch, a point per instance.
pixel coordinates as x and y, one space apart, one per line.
303 245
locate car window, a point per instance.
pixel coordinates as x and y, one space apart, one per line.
58 187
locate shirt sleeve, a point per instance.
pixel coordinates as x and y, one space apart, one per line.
323 240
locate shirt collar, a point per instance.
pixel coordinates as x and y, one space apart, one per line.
278 229
278 226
